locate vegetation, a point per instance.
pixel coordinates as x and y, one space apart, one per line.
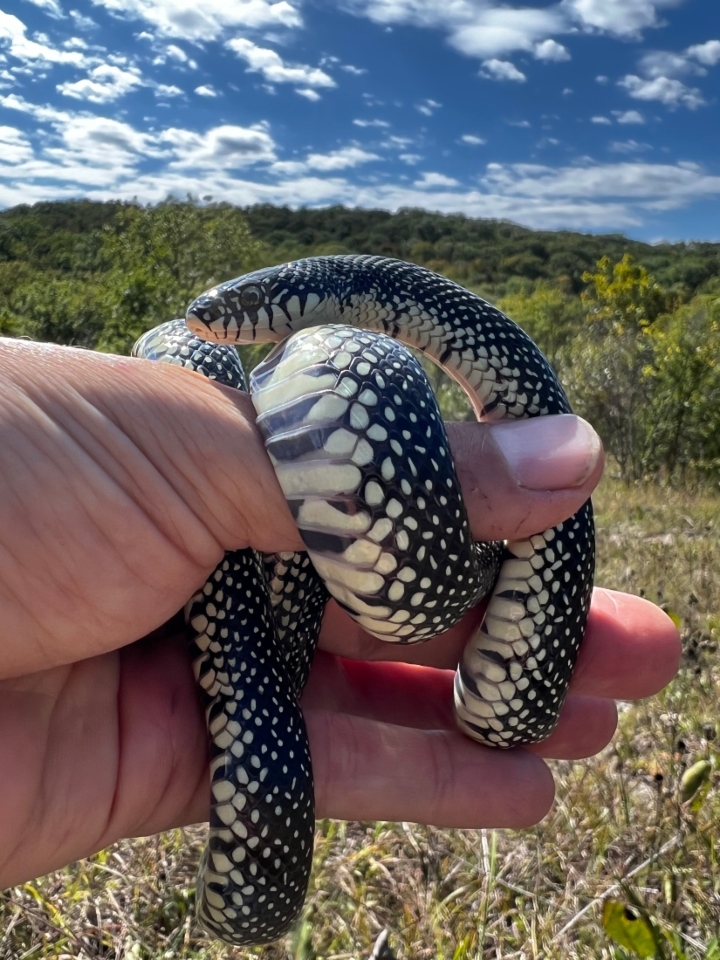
626 865
622 831
633 329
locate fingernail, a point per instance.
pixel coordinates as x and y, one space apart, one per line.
549 453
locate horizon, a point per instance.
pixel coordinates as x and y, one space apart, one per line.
584 116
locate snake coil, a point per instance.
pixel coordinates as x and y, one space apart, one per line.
355 435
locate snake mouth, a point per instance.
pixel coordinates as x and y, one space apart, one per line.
200 328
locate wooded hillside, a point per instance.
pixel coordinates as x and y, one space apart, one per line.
632 328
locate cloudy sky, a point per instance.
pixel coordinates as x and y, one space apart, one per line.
595 115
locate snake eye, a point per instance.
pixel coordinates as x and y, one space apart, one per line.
251 297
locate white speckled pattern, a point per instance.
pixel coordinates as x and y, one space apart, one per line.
360 451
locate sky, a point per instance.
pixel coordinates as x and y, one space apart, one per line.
592 115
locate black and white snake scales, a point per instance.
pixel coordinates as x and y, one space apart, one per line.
356 439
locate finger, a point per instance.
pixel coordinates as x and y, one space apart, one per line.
521 477
631 648
422 698
585 727
366 770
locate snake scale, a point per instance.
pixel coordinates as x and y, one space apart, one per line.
355 435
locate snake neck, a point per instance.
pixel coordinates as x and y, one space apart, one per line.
487 354
493 360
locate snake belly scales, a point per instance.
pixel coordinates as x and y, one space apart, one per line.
355 435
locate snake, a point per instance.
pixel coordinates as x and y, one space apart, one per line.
356 439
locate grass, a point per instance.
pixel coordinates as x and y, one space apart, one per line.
618 831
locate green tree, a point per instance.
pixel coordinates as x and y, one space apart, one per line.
622 297
646 376
158 259
609 366
52 308
684 427
547 314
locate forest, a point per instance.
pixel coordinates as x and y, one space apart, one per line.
633 329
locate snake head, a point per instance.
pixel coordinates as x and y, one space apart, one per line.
265 305
234 310
271 303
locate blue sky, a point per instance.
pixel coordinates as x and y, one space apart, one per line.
595 115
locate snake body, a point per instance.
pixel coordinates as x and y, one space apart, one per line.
356 438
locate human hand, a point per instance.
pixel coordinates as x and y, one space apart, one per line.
123 482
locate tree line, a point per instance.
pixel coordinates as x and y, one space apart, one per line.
633 329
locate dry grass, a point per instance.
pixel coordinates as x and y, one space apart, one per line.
617 830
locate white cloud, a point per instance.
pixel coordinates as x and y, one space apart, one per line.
524 124
174 52
103 159
624 18
81 21
167 90
477 29
628 146
271 66
663 63
600 120
501 70
208 20
50 6
628 116
428 107
411 159
693 60
707 53
340 159
15 146
472 140
103 84
14 40
382 124
394 142
429 181
671 92
355 71
551 50
501 30
226 147
85 152
206 90
674 184
308 93
41 112
104 139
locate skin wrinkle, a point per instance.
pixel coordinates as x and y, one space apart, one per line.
229 452
161 661
141 659
225 469
48 795
438 772
99 434
72 580
392 694
31 810
28 520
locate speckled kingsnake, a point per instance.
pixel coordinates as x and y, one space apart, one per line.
356 439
